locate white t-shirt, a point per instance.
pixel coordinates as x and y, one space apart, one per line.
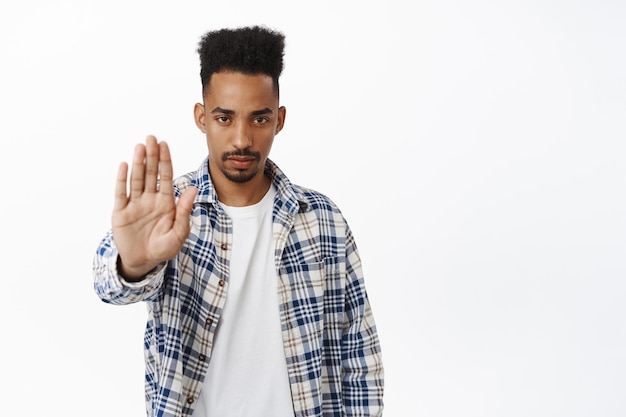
247 374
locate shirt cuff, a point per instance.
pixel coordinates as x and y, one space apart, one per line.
152 276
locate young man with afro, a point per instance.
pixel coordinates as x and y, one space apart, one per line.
253 285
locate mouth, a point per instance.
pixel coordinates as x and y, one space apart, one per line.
241 159
241 162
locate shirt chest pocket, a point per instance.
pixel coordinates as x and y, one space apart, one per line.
305 288
307 303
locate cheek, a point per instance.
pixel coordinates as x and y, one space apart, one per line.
211 147
214 137
266 144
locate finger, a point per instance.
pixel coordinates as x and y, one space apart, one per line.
138 172
152 164
183 208
121 198
166 170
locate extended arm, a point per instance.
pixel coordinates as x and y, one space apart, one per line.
149 228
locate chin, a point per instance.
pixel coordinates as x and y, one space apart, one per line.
240 177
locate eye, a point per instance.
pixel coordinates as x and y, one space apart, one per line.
260 120
222 119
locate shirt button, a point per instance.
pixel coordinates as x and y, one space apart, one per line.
202 358
222 282
224 246
209 322
189 400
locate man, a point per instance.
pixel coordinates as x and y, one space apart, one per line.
255 295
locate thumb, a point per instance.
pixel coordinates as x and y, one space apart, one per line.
183 208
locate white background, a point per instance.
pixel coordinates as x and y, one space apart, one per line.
476 148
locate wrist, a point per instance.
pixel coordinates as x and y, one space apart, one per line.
131 274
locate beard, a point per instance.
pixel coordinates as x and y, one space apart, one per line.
240 176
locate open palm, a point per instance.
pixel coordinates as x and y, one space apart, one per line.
148 226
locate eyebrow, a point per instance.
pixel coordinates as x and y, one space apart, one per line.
253 113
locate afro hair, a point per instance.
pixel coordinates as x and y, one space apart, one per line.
249 50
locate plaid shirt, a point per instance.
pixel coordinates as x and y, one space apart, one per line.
329 335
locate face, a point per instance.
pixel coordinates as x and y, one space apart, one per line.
240 117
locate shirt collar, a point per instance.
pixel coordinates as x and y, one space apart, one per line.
292 200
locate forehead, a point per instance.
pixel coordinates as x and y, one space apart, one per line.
234 89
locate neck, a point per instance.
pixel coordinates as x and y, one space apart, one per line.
241 194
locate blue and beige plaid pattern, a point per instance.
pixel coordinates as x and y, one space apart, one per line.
329 335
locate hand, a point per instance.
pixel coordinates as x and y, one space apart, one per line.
148 226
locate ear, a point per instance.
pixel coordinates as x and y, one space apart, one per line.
282 113
198 116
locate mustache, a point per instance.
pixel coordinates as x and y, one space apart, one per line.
241 152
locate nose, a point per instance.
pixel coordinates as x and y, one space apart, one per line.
242 138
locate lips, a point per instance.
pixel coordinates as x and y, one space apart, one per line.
241 162
240 159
